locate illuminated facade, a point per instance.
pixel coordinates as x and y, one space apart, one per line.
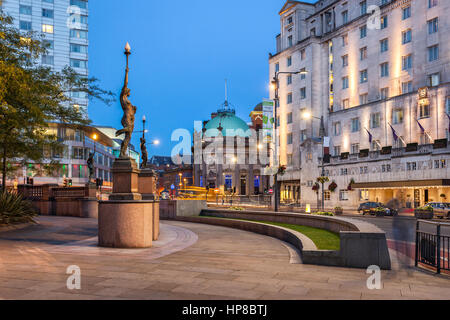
378 72
64 26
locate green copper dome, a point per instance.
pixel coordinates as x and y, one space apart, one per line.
229 122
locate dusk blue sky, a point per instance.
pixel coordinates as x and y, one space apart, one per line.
181 53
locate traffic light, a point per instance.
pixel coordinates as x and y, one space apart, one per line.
70 183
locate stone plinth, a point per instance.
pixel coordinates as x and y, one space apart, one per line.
156 229
147 184
126 224
126 180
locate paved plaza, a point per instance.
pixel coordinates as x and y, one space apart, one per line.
190 261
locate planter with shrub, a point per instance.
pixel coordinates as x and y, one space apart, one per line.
338 211
14 209
426 212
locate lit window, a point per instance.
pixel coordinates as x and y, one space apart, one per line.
47 28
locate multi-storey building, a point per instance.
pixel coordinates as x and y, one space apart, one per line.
378 72
64 25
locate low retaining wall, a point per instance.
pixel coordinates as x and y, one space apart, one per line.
362 244
171 209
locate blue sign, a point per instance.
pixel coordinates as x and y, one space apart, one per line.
172 187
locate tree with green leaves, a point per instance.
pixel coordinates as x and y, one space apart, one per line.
32 96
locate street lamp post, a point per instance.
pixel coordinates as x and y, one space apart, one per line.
307 116
276 85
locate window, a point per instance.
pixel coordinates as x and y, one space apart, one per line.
303 93
289 160
355 148
363 53
386 168
25 25
337 129
363 76
407 62
289 80
406 36
289 61
277 67
424 111
75 63
407 87
406 13
313 31
433 53
289 138
48 60
384 22
78 34
49 44
327 195
411 166
79 3
337 151
47 28
343 195
289 118
47 13
345 83
77 48
302 54
433 26
375 120
384 69
290 43
384 93
303 135
355 124
434 79
384 45
344 17
289 98
364 195
345 40
345 103
344 171
397 116
303 74
289 20
345 60
363 32
376 145
432 3
447 105
25 10
363 7
363 98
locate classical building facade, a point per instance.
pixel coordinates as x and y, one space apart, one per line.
236 167
378 71
64 26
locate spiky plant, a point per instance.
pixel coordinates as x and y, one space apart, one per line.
14 209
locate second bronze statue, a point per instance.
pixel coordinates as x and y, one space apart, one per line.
129 112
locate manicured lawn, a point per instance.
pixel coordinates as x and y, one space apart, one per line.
323 239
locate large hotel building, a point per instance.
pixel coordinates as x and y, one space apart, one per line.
378 71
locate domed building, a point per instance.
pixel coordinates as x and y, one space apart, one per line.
237 171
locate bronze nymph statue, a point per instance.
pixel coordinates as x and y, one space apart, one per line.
90 164
129 112
144 153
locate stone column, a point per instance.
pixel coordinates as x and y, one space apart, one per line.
219 178
204 174
250 181
237 179
262 180
197 174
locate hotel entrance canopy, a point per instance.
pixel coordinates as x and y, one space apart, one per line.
402 184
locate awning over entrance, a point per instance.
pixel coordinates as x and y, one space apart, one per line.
402 184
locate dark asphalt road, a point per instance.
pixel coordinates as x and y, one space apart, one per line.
402 228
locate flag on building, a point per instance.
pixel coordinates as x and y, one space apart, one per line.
370 136
394 133
422 129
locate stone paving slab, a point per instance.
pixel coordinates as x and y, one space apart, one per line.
192 262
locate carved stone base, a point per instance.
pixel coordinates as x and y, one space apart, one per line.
125 180
147 184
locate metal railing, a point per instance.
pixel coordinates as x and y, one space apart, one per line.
433 248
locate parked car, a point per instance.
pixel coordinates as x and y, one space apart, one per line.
366 206
441 210
371 207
